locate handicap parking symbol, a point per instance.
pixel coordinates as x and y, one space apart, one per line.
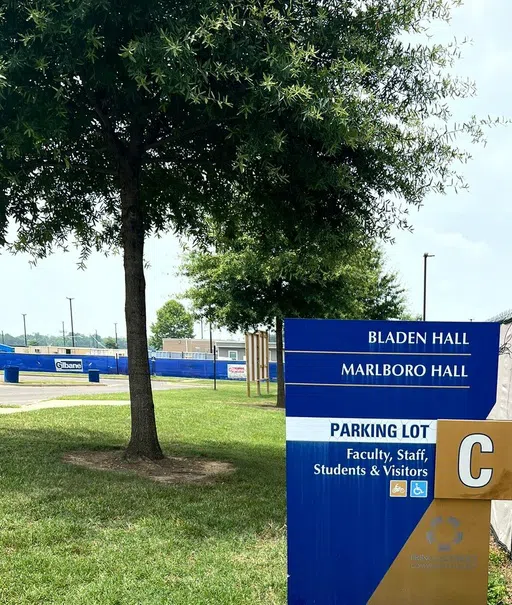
419 489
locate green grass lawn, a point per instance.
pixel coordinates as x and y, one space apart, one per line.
84 376
225 387
71 536
82 537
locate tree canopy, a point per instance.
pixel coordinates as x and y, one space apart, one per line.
124 118
172 321
244 288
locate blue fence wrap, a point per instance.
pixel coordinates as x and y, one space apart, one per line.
180 368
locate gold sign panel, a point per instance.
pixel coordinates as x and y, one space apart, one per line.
446 557
445 560
474 460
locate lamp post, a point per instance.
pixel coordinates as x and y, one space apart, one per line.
25 328
71 315
115 332
426 256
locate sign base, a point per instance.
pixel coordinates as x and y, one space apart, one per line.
444 561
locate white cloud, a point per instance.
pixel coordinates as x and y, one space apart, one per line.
469 233
98 291
456 242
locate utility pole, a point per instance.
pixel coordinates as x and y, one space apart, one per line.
215 368
63 334
202 334
211 338
71 315
115 332
426 256
3 339
25 327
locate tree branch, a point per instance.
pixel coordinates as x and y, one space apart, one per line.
96 169
172 137
109 130
182 135
61 164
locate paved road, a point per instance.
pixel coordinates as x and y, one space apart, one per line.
24 395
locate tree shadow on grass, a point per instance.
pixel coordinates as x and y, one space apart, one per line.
38 486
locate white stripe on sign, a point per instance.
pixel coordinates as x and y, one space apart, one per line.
361 430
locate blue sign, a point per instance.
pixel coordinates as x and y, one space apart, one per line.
362 401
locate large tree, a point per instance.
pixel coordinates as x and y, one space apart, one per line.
172 321
125 118
246 287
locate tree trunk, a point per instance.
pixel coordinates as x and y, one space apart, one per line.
144 439
280 363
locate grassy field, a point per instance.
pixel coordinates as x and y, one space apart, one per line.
75 536
65 379
83 376
225 387
71 536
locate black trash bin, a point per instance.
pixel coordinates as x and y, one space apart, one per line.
94 375
12 375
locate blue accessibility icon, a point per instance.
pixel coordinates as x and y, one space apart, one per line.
419 489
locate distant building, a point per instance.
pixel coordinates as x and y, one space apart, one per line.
186 345
231 349
235 350
226 349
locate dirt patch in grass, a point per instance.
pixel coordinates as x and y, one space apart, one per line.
171 470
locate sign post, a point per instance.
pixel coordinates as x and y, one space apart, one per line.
257 360
363 403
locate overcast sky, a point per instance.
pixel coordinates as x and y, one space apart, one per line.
469 233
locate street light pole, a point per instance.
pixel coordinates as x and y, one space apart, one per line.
426 256
71 315
25 327
115 331
63 334
211 338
